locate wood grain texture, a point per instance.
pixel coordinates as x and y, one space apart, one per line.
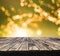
25 44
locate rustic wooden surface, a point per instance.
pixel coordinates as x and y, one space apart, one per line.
25 44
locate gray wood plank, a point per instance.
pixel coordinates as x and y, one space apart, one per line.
27 43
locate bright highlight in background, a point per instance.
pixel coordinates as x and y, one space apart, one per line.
39 32
21 32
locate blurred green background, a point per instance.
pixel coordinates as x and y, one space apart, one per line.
44 15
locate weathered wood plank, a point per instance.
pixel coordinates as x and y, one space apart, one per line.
23 43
